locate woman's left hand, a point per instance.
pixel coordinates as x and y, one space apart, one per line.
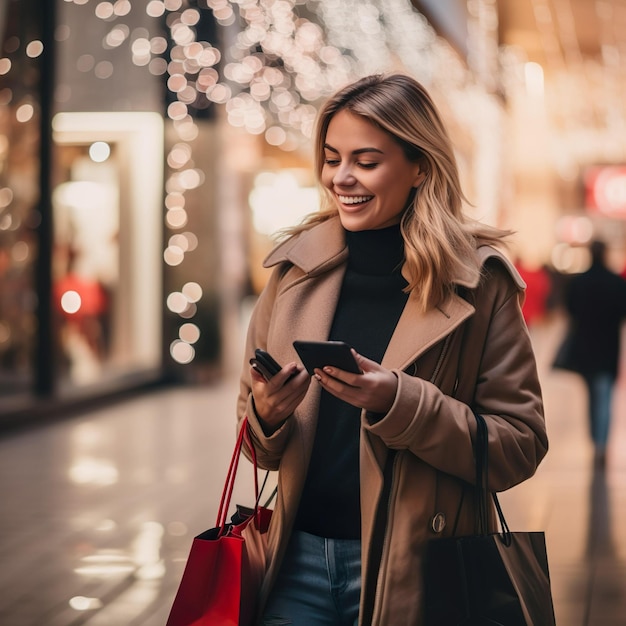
374 390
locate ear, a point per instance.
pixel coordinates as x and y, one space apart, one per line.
419 178
421 170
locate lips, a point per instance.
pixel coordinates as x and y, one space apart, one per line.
354 199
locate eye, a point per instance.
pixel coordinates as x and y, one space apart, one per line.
331 161
367 166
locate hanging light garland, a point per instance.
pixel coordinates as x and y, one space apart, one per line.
275 61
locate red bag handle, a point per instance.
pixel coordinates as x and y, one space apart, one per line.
229 485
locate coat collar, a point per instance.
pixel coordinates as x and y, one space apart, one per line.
323 247
315 250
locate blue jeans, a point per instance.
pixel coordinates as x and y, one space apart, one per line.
600 387
319 583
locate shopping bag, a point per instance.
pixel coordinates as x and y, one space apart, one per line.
226 564
498 579
488 579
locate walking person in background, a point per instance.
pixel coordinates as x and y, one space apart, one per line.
596 304
373 465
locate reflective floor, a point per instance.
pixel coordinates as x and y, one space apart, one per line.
98 512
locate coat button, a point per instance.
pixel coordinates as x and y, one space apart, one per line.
438 523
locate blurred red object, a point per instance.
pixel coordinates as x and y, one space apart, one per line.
605 190
538 287
93 297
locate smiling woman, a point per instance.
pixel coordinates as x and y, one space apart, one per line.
399 113
367 172
373 465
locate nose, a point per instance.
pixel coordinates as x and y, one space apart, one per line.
344 176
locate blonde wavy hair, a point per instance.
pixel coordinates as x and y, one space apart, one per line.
439 240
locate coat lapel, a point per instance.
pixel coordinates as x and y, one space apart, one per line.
415 333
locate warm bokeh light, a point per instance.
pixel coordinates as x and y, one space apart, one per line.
104 10
117 36
106 564
189 333
279 200
177 302
104 69
179 155
20 252
83 603
533 74
182 352
34 48
6 197
71 302
179 241
155 8
24 113
192 291
192 241
85 62
93 471
176 218
99 151
173 255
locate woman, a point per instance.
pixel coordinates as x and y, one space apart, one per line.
374 465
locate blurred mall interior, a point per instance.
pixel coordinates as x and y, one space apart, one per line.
149 151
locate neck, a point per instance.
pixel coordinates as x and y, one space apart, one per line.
376 251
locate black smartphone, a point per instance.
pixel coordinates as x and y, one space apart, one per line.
317 354
265 364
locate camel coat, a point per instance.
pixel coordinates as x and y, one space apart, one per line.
472 352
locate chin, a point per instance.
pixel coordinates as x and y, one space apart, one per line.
354 225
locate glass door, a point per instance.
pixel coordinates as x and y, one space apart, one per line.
107 252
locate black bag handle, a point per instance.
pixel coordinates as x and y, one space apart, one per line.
271 496
481 452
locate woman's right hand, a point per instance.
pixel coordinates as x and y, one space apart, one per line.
277 398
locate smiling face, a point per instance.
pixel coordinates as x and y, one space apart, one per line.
367 173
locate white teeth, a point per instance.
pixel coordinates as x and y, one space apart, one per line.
354 199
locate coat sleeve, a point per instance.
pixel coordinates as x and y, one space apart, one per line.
268 449
503 386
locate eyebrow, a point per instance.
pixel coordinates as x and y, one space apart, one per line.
359 151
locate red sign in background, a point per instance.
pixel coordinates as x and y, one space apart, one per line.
605 190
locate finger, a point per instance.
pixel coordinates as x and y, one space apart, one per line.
347 378
293 390
339 389
365 364
289 371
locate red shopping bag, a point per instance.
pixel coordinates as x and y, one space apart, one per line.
226 564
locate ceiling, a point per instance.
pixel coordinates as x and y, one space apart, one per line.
562 34
581 47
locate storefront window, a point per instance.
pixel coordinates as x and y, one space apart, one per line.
107 207
19 184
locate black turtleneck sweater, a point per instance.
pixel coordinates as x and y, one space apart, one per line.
370 303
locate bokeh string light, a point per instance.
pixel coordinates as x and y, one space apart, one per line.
271 64
267 65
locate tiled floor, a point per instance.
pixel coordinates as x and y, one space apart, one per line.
98 511
582 511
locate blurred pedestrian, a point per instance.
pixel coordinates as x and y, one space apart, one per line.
596 304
